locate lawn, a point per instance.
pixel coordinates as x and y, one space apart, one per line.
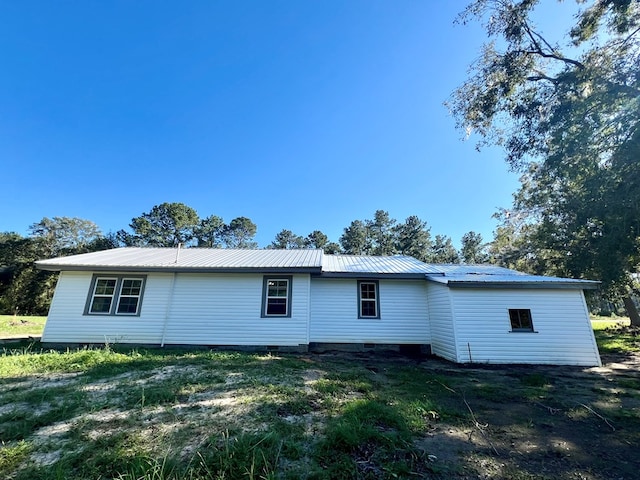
20 325
186 414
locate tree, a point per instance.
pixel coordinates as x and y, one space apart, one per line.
210 232
355 240
239 233
381 232
413 238
443 251
316 239
24 288
166 225
473 250
60 235
286 239
568 117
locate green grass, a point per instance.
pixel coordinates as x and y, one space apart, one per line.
17 325
613 336
175 414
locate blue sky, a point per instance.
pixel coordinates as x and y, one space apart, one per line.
297 114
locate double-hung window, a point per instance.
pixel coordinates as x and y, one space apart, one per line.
368 301
115 295
520 320
276 296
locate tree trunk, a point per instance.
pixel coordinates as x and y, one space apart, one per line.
632 311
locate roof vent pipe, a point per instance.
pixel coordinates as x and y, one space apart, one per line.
177 253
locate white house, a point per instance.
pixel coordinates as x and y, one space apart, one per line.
303 299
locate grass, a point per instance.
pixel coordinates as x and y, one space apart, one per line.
20 325
614 336
184 415
148 414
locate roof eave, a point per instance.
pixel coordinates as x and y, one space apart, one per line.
174 269
377 275
584 285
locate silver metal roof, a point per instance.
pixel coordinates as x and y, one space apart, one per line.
499 277
192 259
303 261
363 264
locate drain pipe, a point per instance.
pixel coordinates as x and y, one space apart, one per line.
169 305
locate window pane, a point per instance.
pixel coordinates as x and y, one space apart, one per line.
131 287
277 288
101 305
520 319
105 286
368 309
277 306
128 305
368 290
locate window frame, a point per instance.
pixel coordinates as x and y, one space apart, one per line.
265 296
117 294
376 300
517 327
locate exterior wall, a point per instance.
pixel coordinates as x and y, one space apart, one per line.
562 329
224 309
443 343
202 309
67 323
403 318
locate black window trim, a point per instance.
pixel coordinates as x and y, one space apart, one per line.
377 299
265 288
113 310
529 329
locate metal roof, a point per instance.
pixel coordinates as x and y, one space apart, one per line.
490 276
192 259
304 261
354 265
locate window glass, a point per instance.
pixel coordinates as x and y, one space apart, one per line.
520 320
277 297
101 305
115 296
368 299
103 293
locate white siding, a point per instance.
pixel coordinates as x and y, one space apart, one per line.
225 309
403 313
562 329
208 309
67 323
442 327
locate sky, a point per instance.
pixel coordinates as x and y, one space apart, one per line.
300 115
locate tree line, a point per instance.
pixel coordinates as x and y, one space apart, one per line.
27 290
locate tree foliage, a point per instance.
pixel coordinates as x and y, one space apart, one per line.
165 225
240 233
473 248
568 117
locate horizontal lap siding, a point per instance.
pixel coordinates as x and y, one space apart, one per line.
442 333
403 313
66 321
225 309
564 334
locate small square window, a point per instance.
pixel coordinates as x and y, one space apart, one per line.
520 320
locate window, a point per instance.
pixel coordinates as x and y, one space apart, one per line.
520 320
276 297
368 305
103 293
115 295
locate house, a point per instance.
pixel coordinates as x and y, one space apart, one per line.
305 299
